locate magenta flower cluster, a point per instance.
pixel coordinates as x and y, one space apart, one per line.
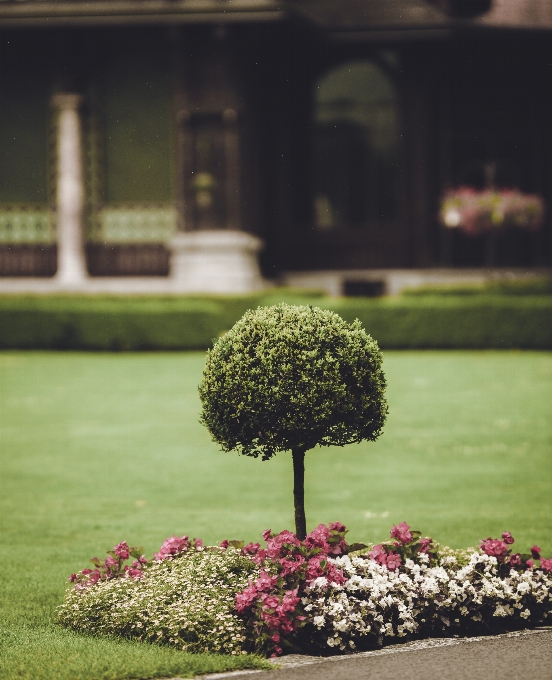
176 545
407 544
272 603
495 547
113 566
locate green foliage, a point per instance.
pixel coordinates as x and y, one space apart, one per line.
187 602
454 321
291 377
536 286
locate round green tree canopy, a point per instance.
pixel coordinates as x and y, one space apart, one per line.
289 377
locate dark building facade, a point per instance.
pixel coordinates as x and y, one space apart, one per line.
328 129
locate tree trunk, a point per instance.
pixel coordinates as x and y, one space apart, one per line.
299 492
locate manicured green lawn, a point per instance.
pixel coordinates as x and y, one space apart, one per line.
97 448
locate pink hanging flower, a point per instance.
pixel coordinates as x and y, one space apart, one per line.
535 552
224 544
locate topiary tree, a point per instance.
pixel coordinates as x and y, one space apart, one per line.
290 378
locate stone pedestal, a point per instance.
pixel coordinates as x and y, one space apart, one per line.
71 268
216 261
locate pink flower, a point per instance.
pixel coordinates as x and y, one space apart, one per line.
94 577
276 546
270 601
139 562
111 562
318 538
134 573
425 545
250 549
265 582
122 550
259 557
494 547
378 554
507 538
535 552
224 544
393 561
267 534
172 546
401 532
246 598
515 560
290 565
337 526
275 637
73 578
530 564
546 565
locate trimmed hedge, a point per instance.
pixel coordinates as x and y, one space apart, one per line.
443 322
183 323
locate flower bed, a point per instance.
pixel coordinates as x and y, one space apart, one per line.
319 595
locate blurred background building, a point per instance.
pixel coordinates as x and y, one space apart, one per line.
180 140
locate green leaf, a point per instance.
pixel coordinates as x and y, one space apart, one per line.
236 544
353 547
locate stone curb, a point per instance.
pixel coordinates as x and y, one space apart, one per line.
296 660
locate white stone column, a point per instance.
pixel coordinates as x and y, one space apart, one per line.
71 269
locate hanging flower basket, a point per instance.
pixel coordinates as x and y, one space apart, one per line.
476 212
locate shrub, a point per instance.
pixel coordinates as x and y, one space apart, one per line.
452 318
290 378
185 599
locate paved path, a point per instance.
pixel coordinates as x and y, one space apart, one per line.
513 656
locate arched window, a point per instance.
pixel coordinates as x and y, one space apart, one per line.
356 144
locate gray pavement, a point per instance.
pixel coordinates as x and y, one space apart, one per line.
513 656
